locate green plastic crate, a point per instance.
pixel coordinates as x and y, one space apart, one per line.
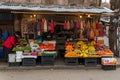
49 53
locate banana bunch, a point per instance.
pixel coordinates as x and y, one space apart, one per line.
83 55
84 51
80 43
91 48
77 51
92 52
83 47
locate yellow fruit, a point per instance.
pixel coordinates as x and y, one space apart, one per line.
86 51
84 47
80 42
92 52
85 55
77 51
81 55
91 48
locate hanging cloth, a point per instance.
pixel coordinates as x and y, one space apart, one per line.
100 25
42 24
96 31
92 35
71 24
65 25
39 26
101 32
75 25
81 24
45 26
78 25
94 25
97 25
52 26
88 24
68 25
84 24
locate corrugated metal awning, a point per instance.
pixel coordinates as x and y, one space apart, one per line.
55 9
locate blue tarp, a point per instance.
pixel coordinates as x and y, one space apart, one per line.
5 35
1 53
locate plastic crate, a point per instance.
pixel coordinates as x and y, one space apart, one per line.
49 53
99 60
90 61
109 67
47 60
71 61
14 64
28 62
12 58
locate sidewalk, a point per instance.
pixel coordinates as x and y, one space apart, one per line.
4 66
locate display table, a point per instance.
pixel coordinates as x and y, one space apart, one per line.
90 61
29 60
71 60
47 60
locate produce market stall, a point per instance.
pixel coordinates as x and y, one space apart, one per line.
75 34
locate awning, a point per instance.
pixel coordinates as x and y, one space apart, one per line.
55 9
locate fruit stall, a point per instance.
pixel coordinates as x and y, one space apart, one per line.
86 49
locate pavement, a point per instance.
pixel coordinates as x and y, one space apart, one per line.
51 74
57 65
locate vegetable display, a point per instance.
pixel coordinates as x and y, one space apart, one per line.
19 48
23 42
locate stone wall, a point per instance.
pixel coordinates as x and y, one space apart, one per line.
80 3
115 4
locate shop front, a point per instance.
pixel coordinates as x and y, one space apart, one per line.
72 35
6 25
